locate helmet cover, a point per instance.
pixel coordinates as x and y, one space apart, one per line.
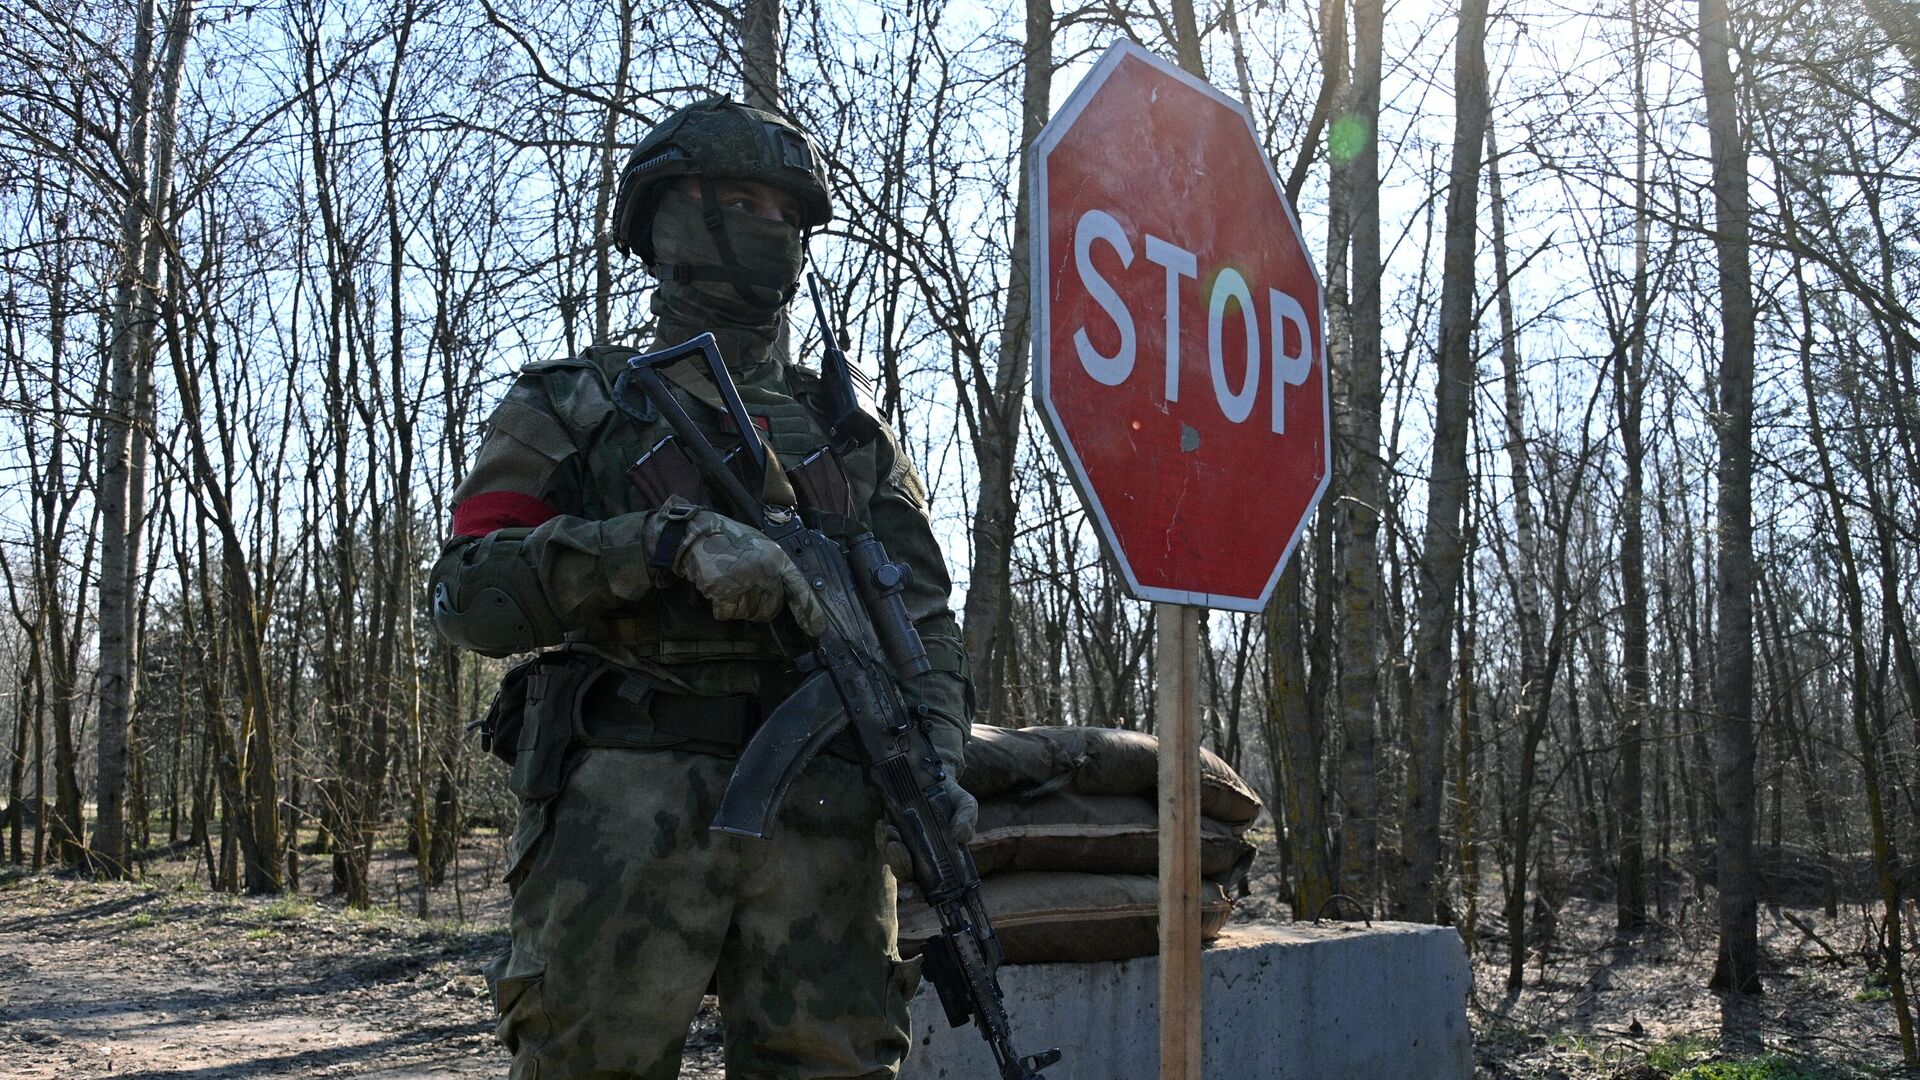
716 139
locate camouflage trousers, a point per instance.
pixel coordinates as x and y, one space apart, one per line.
626 908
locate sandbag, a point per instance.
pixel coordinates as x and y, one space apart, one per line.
1045 918
1026 763
1099 834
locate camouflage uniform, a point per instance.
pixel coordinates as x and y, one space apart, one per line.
626 908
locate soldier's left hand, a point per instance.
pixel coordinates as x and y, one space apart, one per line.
744 574
966 811
960 827
950 747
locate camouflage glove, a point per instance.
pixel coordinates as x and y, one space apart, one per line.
950 743
741 572
948 740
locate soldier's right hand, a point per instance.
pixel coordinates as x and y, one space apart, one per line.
743 573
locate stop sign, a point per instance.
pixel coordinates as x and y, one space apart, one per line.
1178 356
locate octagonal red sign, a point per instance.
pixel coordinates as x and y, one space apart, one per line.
1178 356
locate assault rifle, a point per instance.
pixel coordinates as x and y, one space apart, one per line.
847 686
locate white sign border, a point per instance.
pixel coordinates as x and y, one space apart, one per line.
1043 146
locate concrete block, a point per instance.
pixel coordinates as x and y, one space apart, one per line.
1282 1002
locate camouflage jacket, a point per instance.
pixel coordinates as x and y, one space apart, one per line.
555 458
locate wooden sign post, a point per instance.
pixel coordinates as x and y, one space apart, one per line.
1177 720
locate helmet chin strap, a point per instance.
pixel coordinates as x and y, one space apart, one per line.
730 269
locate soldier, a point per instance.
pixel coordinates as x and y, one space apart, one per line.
674 626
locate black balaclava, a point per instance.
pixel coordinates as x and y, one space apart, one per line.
746 320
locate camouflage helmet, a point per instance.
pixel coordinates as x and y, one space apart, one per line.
716 139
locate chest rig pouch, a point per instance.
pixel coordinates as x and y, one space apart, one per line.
531 723
825 497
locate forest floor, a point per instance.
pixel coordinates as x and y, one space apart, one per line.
1600 1006
166 979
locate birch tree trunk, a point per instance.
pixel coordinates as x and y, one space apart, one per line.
1361 593
1356 853
150 157
115 678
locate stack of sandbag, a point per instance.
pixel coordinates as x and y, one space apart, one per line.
1068 842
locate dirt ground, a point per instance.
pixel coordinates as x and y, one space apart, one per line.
1597 1006
164 979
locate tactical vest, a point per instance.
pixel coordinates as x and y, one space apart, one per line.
673 625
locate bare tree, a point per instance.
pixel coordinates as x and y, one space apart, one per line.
122 495
1443 548
1629 394
1002 406
1737 965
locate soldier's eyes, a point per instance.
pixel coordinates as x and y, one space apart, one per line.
750 204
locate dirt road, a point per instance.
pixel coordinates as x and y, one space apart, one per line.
136 981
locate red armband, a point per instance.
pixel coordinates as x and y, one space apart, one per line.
490 510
